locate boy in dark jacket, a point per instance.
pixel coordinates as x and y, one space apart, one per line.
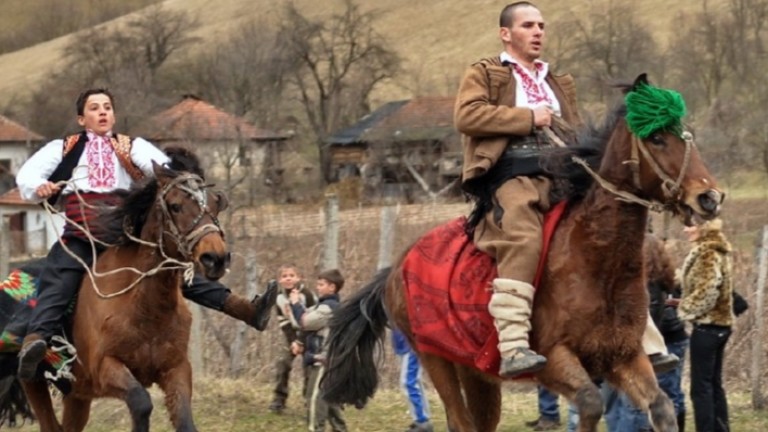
313 323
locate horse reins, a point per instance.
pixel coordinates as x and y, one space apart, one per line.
195 187
670 187
189 183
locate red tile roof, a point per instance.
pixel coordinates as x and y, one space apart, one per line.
10 131
194 119
13 197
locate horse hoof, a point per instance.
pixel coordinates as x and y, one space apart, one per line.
30 357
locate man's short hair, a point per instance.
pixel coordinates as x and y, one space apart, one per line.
333 276
83 98
507 16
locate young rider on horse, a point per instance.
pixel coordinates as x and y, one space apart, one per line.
97 163
510 109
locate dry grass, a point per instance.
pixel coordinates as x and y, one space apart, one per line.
239 405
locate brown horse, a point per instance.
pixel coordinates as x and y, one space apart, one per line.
132 329
591 305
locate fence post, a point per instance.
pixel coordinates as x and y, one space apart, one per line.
331 244
251 286
196 340
387 236
758 401
5 247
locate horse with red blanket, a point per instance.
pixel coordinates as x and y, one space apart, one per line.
591 303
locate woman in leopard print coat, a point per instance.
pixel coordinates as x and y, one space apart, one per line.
707 302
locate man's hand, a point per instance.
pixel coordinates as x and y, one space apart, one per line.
47 189
542 116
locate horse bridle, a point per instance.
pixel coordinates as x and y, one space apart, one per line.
670 187
194 186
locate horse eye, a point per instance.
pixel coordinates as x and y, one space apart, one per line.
658 139
175 208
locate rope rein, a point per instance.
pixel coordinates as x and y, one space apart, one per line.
670 187
189 183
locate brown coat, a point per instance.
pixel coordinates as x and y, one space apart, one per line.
486 115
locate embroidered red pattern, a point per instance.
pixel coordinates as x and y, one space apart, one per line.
534 91
101 162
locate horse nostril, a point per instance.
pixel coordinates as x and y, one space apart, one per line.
209 260
710 200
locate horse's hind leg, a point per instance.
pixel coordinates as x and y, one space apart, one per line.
76 413
446 381
40 400
565 375
483 399
177 386
638 381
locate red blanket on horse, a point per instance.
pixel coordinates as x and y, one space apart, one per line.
448 282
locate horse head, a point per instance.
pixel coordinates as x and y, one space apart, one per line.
188 211
667 166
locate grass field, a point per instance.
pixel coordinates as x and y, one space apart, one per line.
237 405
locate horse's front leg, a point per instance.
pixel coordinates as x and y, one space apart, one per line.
565 375
115 380
177 385
40 400
76 413
637 380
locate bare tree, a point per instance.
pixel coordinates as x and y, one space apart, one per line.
160 32
610 44
123 58
245 73
337 62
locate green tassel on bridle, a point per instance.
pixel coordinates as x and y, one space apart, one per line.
650 109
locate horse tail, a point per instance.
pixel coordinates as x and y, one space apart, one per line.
356 328
13 401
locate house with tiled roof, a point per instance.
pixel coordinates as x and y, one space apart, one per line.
30 231
222 140
17 143
411 144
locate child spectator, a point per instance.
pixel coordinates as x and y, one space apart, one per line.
289 280
313 322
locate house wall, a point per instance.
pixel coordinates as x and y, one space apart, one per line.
17 153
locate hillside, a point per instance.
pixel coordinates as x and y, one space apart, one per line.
436 38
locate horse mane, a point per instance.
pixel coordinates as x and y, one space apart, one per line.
137 201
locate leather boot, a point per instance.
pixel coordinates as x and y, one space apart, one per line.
663 362
255 313
510 307
32 352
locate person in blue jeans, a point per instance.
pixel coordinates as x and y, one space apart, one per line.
549 412
411 383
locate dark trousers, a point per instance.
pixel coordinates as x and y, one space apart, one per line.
58 285
710 407
60 280
318 409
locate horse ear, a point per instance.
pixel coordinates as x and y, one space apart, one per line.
161 172
221 200
641 79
